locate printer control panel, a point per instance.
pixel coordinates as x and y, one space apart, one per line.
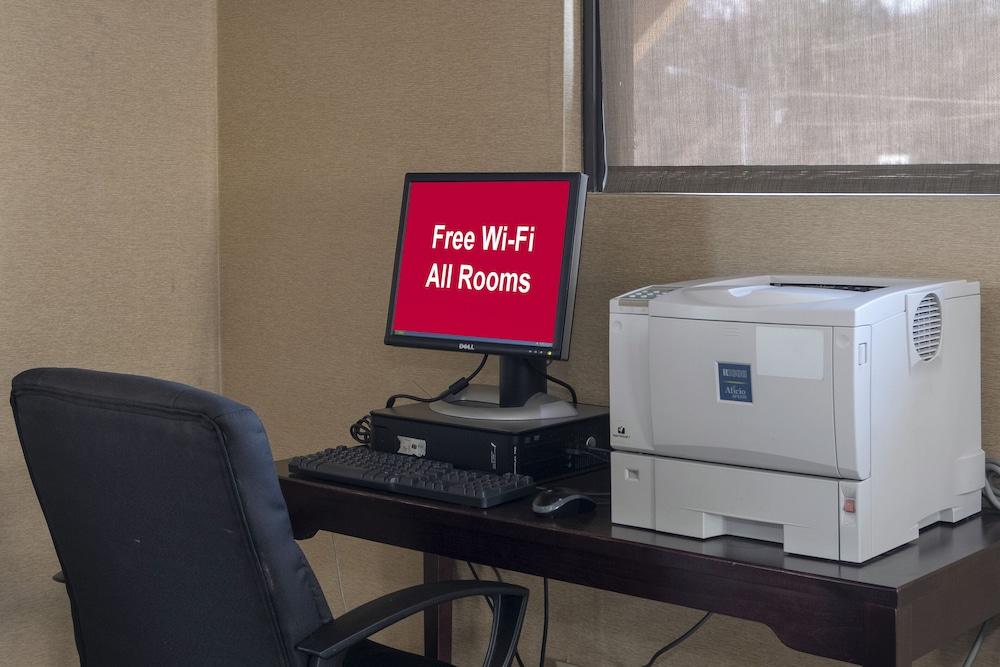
642 296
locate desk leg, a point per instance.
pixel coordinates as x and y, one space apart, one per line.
888 636
437 621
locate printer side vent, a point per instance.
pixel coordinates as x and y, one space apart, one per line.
926 330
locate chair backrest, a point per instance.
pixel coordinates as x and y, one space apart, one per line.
166 515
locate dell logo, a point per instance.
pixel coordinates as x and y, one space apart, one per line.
466 346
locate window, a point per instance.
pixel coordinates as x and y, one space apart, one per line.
809 96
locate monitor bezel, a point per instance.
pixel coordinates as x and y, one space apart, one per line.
567 281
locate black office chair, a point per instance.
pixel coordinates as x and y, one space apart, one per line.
174 538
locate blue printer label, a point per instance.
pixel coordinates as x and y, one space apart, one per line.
734 383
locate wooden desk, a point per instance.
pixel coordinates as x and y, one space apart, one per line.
886 612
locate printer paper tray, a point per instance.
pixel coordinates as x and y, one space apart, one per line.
802 512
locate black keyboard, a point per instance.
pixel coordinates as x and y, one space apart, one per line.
413 476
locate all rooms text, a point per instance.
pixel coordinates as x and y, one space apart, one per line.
493 238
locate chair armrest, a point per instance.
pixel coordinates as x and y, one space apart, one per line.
509 603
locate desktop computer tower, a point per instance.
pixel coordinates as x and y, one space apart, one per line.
542 448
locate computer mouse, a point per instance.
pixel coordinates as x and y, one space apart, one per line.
560 501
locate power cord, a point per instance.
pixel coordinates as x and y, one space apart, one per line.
594 494
977 643
340 578
455 387
572 392
601 455
561 383
693 629
545 612
545 620
992 488
361 430
489 602
567 385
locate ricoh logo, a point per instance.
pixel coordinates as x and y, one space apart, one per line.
735 382
466 346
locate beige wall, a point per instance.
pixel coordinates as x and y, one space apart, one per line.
324 107
108 236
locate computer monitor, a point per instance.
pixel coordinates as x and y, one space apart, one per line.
487 263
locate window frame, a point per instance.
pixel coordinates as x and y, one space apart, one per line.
595 163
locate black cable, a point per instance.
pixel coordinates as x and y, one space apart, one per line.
567 385
595 494
545 620
977 644
601 455
561 383
992 488
693 629
489 602
361 430
455 387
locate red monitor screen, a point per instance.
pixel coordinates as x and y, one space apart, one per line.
486 263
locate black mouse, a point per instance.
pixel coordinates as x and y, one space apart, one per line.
560 501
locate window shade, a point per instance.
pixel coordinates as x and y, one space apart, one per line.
803 82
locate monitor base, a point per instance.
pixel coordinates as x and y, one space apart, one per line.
478 401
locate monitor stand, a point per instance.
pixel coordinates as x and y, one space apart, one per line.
521 396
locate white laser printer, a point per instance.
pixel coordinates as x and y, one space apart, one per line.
834 415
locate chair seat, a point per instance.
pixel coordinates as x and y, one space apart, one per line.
370 654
